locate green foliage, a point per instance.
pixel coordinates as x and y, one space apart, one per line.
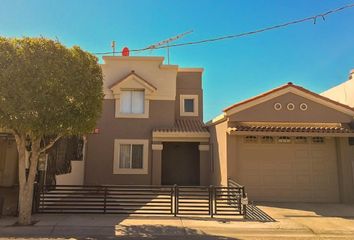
48 89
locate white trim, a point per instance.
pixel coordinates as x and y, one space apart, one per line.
290 106
293 90
203 147
117 143
191 70
182 111
157 147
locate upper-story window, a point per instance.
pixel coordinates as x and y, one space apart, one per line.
132 102
189 105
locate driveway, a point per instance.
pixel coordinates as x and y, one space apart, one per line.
292 221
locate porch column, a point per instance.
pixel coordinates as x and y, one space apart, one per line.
345 170
156 163
204 161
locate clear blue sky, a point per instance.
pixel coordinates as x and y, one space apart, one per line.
314 56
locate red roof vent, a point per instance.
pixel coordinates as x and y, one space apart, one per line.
125 52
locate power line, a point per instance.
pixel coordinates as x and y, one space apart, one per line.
282 25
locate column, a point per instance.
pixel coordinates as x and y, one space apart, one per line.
156 163
204 161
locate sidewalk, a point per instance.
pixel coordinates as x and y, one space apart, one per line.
291 223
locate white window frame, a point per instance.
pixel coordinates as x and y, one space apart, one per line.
117 169
195 113
119 114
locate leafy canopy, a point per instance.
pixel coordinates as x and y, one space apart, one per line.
48 89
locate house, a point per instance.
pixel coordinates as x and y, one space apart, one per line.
288 144
151 130
344 92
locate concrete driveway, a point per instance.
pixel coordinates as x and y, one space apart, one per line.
292 221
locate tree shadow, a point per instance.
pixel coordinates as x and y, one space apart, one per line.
163 232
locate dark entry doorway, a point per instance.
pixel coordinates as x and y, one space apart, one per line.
180 164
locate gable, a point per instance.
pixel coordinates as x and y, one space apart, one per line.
315 111
132 81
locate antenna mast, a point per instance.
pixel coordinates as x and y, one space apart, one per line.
167 41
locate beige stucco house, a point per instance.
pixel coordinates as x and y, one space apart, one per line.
288 144
151 130
344 92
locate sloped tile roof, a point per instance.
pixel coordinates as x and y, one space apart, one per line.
185 126
295 129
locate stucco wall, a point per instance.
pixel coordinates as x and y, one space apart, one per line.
218 139
343 93
100 147
189 83
76 177
316 112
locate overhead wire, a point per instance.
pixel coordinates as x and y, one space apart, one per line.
282 25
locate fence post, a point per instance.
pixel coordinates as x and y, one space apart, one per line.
175 187
211 200
244 206
105 199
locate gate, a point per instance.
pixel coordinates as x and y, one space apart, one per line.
132 199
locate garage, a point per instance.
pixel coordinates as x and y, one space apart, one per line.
285 168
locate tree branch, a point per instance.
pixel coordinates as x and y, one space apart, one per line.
50 144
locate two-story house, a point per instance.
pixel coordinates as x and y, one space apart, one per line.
151 130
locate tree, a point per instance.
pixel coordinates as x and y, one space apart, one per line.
46 91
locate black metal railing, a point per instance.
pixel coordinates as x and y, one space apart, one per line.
132 199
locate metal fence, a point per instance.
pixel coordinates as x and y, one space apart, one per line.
132 199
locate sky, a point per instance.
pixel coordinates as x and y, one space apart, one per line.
315 56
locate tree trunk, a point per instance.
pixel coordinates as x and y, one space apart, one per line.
26 184
25 204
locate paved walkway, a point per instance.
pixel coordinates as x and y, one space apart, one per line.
293 221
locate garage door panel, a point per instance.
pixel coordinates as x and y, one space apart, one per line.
289 172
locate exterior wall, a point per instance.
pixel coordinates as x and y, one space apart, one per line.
345 158
8 163
218 139
343 93
189 83
315 113
100 147
163 77
76 177
204 168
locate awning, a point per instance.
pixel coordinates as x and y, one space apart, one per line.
335 130
192 130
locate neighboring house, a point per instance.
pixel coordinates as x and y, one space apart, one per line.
288 144
151 130
343 93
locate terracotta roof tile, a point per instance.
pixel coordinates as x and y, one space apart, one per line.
297 129
185 125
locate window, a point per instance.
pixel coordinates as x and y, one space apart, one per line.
130 156
189 105
284 140
351 141
267 139
318 140
132 102
250 139
300 140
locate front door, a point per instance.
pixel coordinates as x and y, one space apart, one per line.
180 164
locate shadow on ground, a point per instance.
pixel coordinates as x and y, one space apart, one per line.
162 231
253 213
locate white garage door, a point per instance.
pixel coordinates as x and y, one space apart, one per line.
288 168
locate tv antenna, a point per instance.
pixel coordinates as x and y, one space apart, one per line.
167 42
